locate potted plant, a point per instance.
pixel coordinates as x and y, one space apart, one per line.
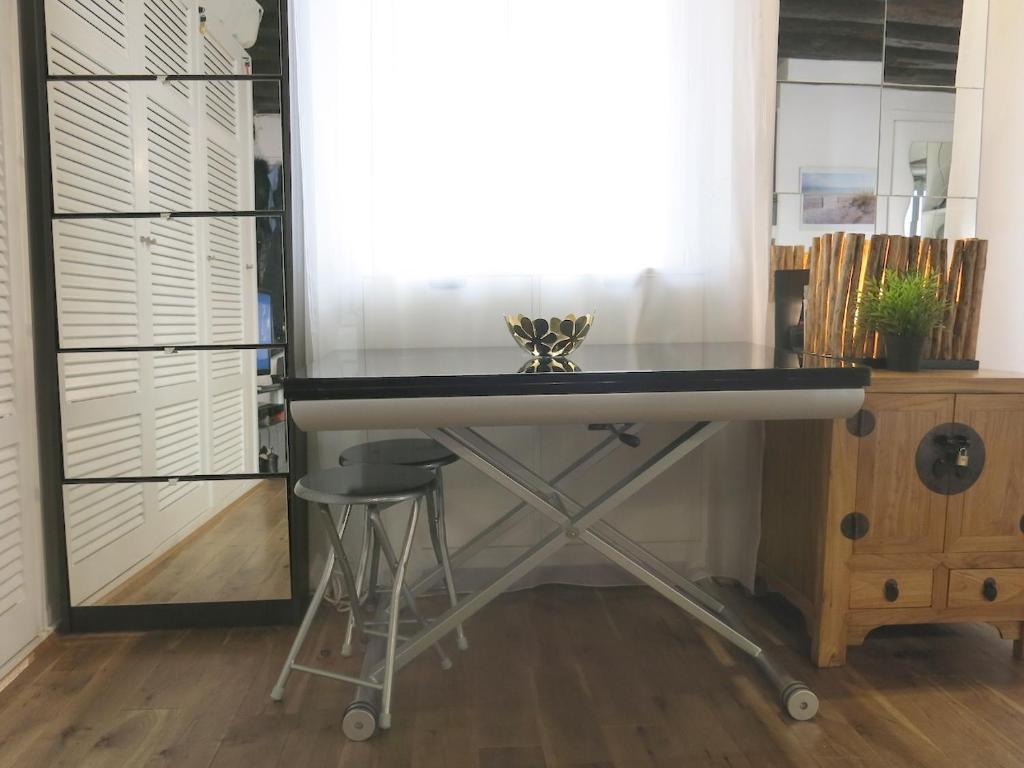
904 309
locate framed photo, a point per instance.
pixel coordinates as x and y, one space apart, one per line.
832 197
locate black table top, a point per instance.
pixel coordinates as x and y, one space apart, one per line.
451 372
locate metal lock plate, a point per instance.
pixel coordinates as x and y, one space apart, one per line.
950 458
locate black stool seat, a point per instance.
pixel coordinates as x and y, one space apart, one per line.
365 484
406 452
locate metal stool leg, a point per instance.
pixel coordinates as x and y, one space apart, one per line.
396 597
361 574
334 536
389 556
439 536
277 693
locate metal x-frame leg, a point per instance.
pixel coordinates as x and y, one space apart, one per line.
578 522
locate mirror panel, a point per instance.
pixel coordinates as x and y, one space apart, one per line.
941 217
946 120
177 542
831 42
169 281
902 42
826 135
798 219
163 37
172 146
171 414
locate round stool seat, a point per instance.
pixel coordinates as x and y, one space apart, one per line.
406 452
364 484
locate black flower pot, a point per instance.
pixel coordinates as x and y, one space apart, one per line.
903 353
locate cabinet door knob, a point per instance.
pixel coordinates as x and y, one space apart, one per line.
989 589
892 590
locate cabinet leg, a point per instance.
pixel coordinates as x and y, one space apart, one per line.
828 645
1018 649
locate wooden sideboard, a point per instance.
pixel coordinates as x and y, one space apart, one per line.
910 512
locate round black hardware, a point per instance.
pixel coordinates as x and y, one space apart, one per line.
854 526
1022 523
861 424
950 458
892 590
989 589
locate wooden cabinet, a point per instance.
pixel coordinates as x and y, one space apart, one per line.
911 512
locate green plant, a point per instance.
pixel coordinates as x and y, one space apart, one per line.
902 304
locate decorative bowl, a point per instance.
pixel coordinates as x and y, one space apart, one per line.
554 337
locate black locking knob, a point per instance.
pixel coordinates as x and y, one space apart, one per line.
989 589
892 590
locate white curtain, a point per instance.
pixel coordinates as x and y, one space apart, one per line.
461 159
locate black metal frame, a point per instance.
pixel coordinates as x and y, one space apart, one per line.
35 76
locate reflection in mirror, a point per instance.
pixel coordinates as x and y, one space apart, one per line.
184 542
169 281
172 413
905 42
929 167
922 39
949 120
828 41
163 37
826 129
950 218
172 146
798 219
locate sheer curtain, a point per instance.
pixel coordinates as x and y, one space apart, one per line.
465 158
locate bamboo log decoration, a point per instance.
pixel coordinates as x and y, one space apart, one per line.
847 257
812 309
974 319
965 300
863 342
852 293
952 287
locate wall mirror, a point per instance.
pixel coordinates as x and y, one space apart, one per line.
164 37
177 542
182 281
170 250
172 413
165 146
879 117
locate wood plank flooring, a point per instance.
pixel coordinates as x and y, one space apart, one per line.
555 676
240 554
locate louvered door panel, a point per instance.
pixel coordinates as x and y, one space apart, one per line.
227 431
105 529
174 281
99 30
96 264
12 550
168 26
95 376
91 147
226 254
170 148
109 447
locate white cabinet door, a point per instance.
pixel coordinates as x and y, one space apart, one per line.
22 610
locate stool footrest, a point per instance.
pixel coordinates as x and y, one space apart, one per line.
337 676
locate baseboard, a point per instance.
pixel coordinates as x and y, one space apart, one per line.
14 666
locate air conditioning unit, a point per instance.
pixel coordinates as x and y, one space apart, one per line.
240 18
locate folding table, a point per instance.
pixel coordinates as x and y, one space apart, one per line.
447 393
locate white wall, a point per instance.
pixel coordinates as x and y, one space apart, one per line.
1001 341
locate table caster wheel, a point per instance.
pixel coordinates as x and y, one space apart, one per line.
800 702
359 721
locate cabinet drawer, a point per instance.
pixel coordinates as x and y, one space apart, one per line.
988 586
890 589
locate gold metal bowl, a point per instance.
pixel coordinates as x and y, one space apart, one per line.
554 337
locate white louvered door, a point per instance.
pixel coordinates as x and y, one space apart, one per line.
154 147
22 610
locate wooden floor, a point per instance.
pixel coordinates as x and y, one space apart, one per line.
555 676
240 554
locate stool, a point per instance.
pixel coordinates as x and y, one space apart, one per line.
372 487
419 452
